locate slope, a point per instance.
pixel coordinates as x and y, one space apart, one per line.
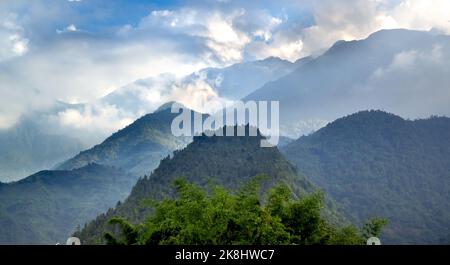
228 161
46 207
375 163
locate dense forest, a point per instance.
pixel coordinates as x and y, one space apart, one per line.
376 163
46 207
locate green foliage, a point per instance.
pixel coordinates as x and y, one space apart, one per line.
373 227
129 233
219 217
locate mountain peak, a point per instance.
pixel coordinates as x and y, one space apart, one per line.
227 161
273 59
167 105
368 121
396 33
136 148
384 163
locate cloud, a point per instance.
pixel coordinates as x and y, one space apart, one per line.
70 28
94 118
221 42
39 66
13 42
356 19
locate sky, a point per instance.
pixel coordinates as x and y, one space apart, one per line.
77 51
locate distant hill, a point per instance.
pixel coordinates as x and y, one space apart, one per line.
228 161
393 70
137 148
46 207
376 163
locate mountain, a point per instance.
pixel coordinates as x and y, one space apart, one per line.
228 161
241 79
42 139
46 207
393 70
27 148
376 163
232 82
137 148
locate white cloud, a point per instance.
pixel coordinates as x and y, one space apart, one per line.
93 118
356 19
70 28
13 42
226 41
283 46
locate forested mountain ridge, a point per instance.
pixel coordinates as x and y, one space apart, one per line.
227 161
137 148
46 207
376 163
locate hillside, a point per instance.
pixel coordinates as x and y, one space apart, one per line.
375 163
46 207
228 161
137 148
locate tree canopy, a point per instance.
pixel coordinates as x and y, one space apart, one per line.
215 216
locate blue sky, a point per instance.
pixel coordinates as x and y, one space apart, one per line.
80 50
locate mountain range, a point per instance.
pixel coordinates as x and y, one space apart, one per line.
399 71
370 163
227 161
391 70
45 208
44 131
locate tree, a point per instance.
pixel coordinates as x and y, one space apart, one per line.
219 217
